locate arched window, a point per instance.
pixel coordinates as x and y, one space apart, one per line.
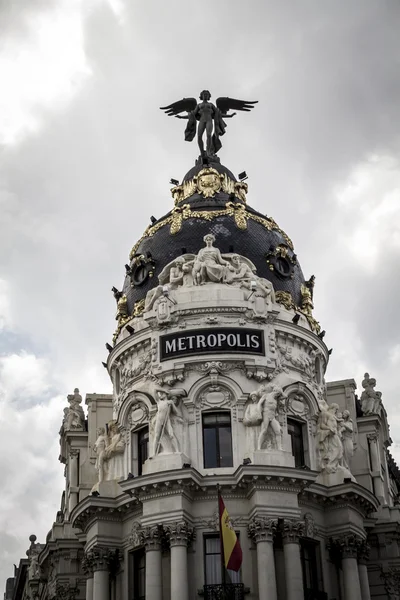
217 439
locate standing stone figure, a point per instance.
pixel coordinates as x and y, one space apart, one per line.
114 453
165 438
74 417
329 443
99 447
346 432
370 399
252 420
269 406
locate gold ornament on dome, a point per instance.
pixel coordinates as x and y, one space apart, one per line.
209 182
138 308
285 298
177 218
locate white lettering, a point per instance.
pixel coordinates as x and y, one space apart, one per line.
255 342
238 342
170 346
201 341
181 344
212 340
221 338
248 340
231 339
191 338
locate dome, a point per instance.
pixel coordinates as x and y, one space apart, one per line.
211 199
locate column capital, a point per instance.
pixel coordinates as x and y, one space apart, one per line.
102 558
345 546
88 564
74 452
151 537
292 531
363 552
179 533
262 529
373 437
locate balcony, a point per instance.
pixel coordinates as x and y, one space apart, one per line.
229 591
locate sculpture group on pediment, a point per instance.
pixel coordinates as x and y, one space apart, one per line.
207 267
74 417
371 400
168 424
262 412
109 448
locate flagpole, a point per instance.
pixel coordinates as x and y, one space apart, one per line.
223 572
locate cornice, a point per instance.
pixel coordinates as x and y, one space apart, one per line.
346 495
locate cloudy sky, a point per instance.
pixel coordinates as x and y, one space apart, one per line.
86 157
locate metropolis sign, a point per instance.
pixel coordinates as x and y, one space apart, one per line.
212 341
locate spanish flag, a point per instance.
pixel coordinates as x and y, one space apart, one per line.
229 543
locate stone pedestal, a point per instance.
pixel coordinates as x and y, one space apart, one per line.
165 462
337 478
108 489
279 458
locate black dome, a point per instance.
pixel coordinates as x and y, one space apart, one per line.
237 228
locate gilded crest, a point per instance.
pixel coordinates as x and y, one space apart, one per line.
208 182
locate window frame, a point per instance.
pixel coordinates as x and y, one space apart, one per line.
301 428
231 576
315 565
216 427
141 442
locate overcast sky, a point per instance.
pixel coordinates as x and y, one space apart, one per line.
86 158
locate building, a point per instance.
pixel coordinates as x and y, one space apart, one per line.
218 371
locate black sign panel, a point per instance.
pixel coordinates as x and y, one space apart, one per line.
212 341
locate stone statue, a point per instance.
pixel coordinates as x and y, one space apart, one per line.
165 438
241 274
346 433
178 274
99 447
271 398
34 571
74 417
209 266
114 453
371 400
210 118
252 420
328 439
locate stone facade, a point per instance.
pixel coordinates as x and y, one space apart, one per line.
219 384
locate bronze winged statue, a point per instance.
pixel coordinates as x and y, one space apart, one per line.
210 117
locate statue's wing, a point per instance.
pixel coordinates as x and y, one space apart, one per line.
186 104
226 104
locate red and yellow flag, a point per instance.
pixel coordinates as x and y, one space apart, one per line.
229 541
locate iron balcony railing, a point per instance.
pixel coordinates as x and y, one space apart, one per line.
227 591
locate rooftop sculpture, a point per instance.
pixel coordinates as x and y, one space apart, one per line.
210 117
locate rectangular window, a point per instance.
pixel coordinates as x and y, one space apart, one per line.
143 447
213 564
217 440
295 430
138 575
312 569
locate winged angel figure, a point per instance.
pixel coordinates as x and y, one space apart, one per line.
210 118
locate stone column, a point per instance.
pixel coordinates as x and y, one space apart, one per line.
101 582
179 535
262 531
351 582
152 542
87 567
363 556
373 440
73 478
292 531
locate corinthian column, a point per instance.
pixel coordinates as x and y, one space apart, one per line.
292 531
87 566
151 537
100 561
350 545
262 531
363 555
179 535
